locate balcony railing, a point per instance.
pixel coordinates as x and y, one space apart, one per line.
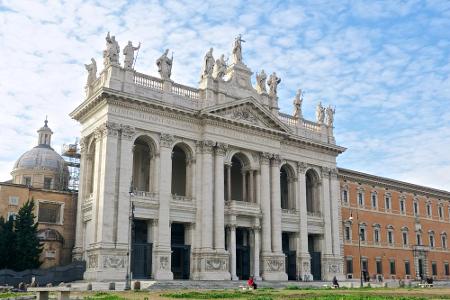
315 214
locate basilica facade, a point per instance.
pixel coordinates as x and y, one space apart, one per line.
204 183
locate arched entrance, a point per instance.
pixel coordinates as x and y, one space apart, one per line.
313 204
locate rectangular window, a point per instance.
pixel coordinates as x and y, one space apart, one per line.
402 206
407 268
360 199
27 180
429 210
444 241
431 241
405 238
392 267
345 196
441 212
388 203
446 269
47 183
374 200
362 234
347 233
349 265
379 266
390 238
419 239
376 236
49 213
13 200
416 209
434 268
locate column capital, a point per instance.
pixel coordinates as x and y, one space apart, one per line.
276 160
83 145
265 158
166 140
334 172
221 149
256 228
231 226
128 132
301 167
326 172
206 146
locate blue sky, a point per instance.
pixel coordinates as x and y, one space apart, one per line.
385 65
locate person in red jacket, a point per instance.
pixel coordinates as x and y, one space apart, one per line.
251 283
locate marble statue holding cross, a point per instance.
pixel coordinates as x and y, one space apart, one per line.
237 49
128 51
273 84
111 54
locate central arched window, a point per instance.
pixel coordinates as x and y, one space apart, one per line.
239 179
312 192
287 188
142 160
179 166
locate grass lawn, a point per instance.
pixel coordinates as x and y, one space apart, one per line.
274 294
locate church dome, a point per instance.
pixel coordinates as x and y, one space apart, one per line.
40 158
41 166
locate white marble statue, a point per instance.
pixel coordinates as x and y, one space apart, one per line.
330 116
273 84
208 64
111 54
128 51
164 64
220 68
261 82
320 113
92 72
237 49
298 104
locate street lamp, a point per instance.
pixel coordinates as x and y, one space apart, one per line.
130 230
359 247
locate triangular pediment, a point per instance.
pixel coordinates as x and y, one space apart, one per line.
247 111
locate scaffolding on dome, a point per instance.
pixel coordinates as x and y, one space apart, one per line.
71 154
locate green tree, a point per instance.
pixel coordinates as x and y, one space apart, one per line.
28 247
7 243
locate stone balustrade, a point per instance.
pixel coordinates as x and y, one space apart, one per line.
243 207
148 81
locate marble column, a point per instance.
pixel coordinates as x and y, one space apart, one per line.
219 239
276 204
256 252
303 257
232 250
258 187
328 237
207 195
82 194
162 270
265 204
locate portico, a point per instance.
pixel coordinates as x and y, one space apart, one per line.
223 185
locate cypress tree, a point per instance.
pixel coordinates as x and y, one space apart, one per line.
28 247
7 243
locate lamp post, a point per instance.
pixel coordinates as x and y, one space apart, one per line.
130 230
359 247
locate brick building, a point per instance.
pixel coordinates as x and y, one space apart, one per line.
403 228
42 174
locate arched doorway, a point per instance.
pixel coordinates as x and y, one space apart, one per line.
287 188
179 164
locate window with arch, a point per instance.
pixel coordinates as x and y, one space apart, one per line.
405 239
345 195
390 235
444 240
312 191
376 234
180 170
402 205
374 199
416 207
363 232
143 163
360 197
287 187
441 211
237 179
387 201
429 210
431 239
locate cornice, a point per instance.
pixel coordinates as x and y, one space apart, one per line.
393 184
